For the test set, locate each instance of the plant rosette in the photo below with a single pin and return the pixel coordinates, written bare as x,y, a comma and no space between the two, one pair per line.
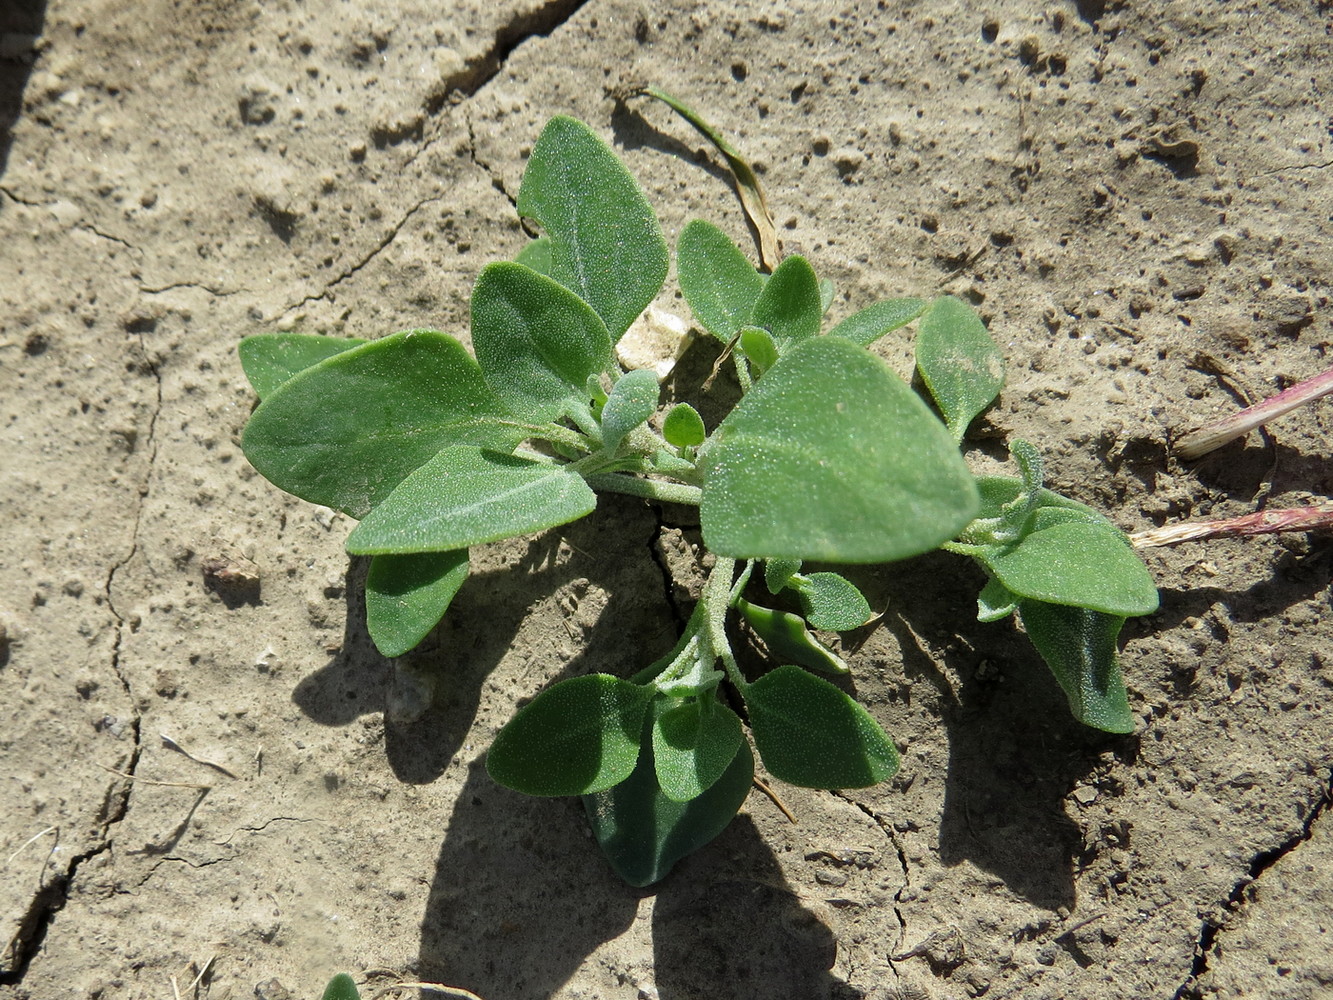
828,456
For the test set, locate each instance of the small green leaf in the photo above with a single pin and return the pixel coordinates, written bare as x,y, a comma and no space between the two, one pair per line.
406,596
346,431
605,242
693,745
810,733
778,573
270,359
536,341
683,427
537,255
1080,648
832,602
576,737
719,283
1077,563
958,361
832,457
643,833
875,321
632,401
341,987
996,601
788,639
758,345
467,496
789,306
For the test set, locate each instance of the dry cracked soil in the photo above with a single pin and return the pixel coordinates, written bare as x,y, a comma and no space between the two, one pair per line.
1135,196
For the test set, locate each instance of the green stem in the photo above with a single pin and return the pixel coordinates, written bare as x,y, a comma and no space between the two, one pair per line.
650,489
552,432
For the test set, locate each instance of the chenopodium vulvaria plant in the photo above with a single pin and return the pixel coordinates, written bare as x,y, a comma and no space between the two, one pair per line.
828,457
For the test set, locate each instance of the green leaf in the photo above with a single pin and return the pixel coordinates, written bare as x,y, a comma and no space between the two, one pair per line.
788,639
683,426
632,401
1080,648
537,255
789,306
758,345
466,496
270,359
1083,564
832,602
719,283
341,987
875,321
576,737
406,596
958,361
693,745
778,573
810,733
346,431
832,457
643,833
826,292
995,601
606,244
536,341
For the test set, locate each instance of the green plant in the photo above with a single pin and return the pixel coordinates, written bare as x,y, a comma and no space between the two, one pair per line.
829,456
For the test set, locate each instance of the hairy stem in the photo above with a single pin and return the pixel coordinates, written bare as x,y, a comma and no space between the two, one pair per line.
650,489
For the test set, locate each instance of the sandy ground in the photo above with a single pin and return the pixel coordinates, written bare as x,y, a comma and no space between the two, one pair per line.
1135,196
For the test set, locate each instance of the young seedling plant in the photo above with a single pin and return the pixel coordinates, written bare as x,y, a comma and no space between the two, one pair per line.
829,457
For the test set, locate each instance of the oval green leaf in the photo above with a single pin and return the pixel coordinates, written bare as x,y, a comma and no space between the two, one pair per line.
810,733
643,833
758,345
1087,565
467,496
1080,648
605,242
958,361
632,401
832,602
270,359
789,307
693,745
406,596
536,341
832,457
341,987
683,427
719,283
346,431
577,737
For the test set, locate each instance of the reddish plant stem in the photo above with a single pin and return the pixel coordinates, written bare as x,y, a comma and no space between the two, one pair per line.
1264,522
1198,443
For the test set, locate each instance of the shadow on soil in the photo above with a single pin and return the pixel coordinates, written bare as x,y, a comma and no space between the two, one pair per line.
513,913
20,24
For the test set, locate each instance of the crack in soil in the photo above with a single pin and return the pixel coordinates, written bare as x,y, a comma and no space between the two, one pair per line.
1235,903
51,897
355,268
481,69
656,554
888,831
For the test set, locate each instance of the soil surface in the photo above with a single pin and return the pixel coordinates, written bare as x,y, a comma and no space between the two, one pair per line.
1136,197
